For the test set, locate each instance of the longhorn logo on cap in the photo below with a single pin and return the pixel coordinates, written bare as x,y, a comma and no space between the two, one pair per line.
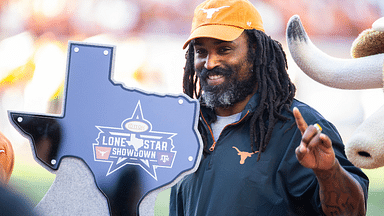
211,11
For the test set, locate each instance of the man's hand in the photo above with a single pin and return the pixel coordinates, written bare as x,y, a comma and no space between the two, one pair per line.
340,193
315,150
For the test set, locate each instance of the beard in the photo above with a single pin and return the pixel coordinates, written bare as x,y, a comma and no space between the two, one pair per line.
228,93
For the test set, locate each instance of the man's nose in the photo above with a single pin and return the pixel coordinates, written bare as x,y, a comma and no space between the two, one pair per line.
211,61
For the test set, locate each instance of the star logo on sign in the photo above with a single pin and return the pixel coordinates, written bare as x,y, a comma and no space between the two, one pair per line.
134,143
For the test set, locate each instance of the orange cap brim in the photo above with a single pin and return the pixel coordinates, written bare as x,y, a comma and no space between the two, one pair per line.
220,32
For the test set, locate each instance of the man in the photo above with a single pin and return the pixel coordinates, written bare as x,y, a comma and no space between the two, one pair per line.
260,155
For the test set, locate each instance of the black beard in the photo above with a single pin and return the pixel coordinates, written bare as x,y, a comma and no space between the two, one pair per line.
228,93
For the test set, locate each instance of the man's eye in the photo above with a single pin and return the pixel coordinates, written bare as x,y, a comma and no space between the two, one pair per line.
200,51
224,49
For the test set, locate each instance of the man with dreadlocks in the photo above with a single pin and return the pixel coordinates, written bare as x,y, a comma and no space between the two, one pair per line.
260,155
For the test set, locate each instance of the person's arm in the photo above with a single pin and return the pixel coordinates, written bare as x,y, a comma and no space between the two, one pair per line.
340,193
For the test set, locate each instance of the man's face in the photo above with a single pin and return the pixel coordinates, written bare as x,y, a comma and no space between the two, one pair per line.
225,70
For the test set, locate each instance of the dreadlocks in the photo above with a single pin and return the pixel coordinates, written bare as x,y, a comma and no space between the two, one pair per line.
274,86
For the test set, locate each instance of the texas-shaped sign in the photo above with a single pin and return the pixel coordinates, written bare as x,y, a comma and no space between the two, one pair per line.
127,137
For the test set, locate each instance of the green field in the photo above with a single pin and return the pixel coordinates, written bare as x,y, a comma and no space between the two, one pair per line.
34,181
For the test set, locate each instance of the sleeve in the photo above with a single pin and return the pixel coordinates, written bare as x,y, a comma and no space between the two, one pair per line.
357,173
330,130
303,183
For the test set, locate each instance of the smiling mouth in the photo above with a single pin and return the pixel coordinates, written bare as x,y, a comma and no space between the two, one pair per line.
215,79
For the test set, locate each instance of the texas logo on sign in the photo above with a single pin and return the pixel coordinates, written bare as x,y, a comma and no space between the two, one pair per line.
131,140
134,143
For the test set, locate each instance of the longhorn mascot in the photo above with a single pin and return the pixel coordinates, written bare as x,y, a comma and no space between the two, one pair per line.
365,148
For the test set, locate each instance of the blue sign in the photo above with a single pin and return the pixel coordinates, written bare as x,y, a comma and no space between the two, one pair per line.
133,142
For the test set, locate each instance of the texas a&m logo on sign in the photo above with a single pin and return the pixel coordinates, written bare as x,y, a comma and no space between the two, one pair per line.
134,143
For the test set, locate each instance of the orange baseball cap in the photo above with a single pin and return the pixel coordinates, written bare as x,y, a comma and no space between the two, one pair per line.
224,19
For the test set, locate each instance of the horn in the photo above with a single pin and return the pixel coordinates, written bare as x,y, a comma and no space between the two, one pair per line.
359,73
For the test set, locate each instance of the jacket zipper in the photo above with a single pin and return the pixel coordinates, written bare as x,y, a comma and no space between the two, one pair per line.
210,130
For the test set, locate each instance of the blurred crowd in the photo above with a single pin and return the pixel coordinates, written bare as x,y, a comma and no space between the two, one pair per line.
74,19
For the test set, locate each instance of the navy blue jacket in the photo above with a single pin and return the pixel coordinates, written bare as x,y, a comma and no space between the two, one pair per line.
275,185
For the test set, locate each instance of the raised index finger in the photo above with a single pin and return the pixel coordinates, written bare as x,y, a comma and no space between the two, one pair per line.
301,123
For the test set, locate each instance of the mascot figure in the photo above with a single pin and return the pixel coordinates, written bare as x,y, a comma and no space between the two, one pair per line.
365,148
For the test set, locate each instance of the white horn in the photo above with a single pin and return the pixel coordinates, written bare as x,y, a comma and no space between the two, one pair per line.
359,73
